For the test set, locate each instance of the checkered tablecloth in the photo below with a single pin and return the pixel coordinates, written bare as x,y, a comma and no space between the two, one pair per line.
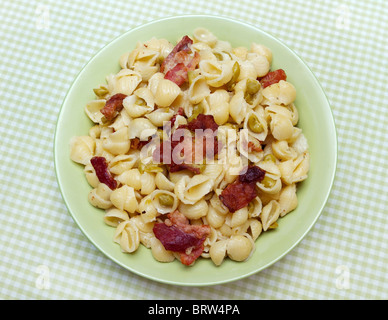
43,46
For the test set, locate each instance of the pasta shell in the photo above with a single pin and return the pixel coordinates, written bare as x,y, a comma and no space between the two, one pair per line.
117,142
127,235
164,201
281,93
166,92
205,36
283,151
123,162
288,200
135,108
147,209
270,214
160,116
239,248
218,251
260,63
92,110
191,190
163,183
124,198
238,107
159,252
141,128
113,217
100,196
262,50
198,90
126,81
82,149
194,211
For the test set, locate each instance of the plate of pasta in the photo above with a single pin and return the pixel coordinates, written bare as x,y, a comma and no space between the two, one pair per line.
195,150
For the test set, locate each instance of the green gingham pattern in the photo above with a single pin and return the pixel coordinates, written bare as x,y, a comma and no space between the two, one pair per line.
44,44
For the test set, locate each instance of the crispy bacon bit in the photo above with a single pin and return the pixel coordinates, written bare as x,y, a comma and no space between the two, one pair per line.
203,122
178,74
180,61
238,194
188,257
174,239
253,147
273,77
183,45
137,144
199,231
178,235
103,174
188,149
113,106
253,174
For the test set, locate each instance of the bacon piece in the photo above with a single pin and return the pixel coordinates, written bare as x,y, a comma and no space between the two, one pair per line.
183,45
113,106
252,174
168,153
180,61
200,231
103,174
189,150
193,62
206,138
178,235
138,144
273,77
253,147
178,74
238,194
174,239
187,258
183,153
203,122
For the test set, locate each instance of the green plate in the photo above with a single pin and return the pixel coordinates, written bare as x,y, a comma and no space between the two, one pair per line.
316,120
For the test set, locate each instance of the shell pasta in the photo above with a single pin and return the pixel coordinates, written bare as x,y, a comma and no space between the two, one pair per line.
195,149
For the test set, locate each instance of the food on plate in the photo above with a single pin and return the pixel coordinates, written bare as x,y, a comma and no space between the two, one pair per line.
194,150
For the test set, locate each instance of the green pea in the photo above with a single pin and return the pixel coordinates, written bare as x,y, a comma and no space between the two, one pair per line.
253,86
218,56
166,200
149,168
268,182
140,102
249,98
255,125
141,167
270,157
101,91
197,109
235,75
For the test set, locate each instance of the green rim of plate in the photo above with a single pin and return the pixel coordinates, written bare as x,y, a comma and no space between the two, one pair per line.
316,121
